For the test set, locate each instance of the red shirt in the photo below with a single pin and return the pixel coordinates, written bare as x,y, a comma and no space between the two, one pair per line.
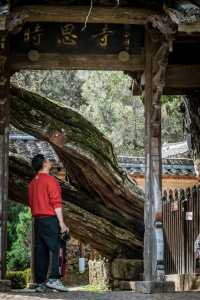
44,195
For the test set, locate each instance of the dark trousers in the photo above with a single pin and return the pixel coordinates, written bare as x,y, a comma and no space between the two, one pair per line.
47,245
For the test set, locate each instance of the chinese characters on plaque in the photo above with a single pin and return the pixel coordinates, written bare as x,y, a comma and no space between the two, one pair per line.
33,36
102,37
71,38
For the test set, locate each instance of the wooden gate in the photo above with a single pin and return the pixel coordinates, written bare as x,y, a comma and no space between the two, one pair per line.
181,221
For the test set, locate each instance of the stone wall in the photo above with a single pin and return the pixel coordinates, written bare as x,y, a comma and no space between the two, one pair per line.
75,250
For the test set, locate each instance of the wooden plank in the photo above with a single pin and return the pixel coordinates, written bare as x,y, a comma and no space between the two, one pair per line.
78,14
77,62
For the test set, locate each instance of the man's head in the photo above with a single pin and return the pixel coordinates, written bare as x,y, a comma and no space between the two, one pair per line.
40,163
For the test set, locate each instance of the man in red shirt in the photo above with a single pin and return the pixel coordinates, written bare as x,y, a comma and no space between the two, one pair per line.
45,201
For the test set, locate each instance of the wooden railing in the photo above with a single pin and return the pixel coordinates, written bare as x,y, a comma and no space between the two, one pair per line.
181,220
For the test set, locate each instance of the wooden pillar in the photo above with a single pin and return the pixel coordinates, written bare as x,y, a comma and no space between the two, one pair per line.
155,65
4,129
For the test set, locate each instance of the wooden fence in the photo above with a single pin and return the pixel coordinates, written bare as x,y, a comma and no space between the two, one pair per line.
181,219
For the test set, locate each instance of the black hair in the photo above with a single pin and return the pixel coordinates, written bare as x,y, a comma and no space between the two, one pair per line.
37,162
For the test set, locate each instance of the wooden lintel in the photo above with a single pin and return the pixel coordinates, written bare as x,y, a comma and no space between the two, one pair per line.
77,62
179,78
78,14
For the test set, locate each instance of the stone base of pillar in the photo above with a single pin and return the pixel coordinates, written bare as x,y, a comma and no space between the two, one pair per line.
5,285
150,287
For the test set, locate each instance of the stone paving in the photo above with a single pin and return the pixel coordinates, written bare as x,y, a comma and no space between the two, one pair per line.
78,295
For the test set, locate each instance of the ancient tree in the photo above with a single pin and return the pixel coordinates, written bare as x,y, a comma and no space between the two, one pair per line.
103,205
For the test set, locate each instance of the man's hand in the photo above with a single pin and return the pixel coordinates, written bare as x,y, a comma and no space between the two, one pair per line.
59,214
63,227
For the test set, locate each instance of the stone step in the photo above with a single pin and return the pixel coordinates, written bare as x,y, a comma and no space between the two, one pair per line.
126,285
146,287
127,269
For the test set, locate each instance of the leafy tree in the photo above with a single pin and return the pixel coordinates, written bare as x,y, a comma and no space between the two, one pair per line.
18,257
172,119
61,86
14,209
109,104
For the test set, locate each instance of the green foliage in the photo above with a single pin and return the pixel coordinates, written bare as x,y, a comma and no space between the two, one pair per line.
172,120
18,257
19,279
58,85
27,275
109,104
14,209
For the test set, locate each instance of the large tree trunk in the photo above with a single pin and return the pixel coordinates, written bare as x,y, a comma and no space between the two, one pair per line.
101,234
102,205
88,156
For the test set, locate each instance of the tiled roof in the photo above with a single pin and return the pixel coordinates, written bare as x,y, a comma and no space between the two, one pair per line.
172,166
173,150
29,146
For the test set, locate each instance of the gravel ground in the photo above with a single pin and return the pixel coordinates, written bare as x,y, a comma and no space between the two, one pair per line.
78,295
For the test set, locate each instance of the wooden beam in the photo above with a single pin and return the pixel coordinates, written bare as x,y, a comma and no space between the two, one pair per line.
179,92
78,14
183,76
189,28
180,79
76,62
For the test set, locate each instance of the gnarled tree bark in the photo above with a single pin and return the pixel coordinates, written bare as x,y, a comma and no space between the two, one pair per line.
88,157
109,239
